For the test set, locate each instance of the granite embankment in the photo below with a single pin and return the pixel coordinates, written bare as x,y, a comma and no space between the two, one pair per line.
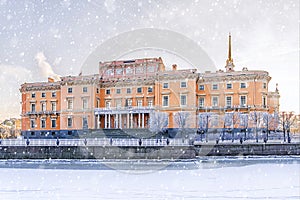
147,152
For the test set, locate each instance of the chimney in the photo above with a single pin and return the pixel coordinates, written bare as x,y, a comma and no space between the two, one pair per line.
174,67
50,80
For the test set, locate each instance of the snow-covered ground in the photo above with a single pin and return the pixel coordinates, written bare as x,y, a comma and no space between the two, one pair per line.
221,178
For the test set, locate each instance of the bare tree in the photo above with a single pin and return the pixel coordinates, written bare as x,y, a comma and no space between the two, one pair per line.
158,122
181,119
203,124
231,120
244,120
288,119
270,122
256,118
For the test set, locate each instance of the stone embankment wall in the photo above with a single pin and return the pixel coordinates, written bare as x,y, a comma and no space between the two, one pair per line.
142,152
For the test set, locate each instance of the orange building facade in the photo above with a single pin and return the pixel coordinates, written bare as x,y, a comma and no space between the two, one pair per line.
125,93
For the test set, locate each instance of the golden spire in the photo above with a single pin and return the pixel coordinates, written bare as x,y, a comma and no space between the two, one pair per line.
229,62
229,48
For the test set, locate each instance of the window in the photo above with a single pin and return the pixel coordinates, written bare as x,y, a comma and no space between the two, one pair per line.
228,102
165,101
243,85
128,103
43,105
43,123
97,90
119,71
215,101
264,101
32,123
84,122
139,90
118,103
33,95
53,94
70,104
53,106
183,100
264,85
139,70
201,87
151,69
84,103
33,107
128,90
140,103
150,103
129,70
165,85
150,89
229,86
215,86
70,122
107,104
43,95
98,103
201,102
84,89
53,123
118,91
183,84
243,101
70,90
107,91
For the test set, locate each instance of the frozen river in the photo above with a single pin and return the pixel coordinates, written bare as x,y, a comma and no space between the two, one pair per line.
206,178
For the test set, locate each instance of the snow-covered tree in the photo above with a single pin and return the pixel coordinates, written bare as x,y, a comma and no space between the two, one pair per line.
205,121
231,120
256,119
287,120
158,121
181,119
244,120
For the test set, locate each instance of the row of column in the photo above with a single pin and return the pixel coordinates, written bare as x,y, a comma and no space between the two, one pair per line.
118,120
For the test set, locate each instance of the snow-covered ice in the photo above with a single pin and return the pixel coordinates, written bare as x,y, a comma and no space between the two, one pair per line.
225,178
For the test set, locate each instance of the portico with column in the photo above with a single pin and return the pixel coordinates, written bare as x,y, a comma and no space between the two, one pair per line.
122,118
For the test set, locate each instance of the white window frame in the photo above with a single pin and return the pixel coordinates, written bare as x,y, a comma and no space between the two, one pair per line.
71,120
229,84
55,123
70,103
32,123
85,103
43,125
226,102
118,91
212,86
203,103
43,106
53,106
212,101
165,85
181,100
139,103
181,82
241,85
33,105
163,100
201,86
241,100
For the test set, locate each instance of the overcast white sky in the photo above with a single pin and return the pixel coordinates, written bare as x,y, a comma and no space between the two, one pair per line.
265,35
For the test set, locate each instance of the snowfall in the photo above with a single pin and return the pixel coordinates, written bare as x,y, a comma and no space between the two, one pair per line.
203,178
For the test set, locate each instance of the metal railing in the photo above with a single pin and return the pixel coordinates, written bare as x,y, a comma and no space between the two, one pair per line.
95,142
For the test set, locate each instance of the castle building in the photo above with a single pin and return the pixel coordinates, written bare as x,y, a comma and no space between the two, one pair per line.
125,93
